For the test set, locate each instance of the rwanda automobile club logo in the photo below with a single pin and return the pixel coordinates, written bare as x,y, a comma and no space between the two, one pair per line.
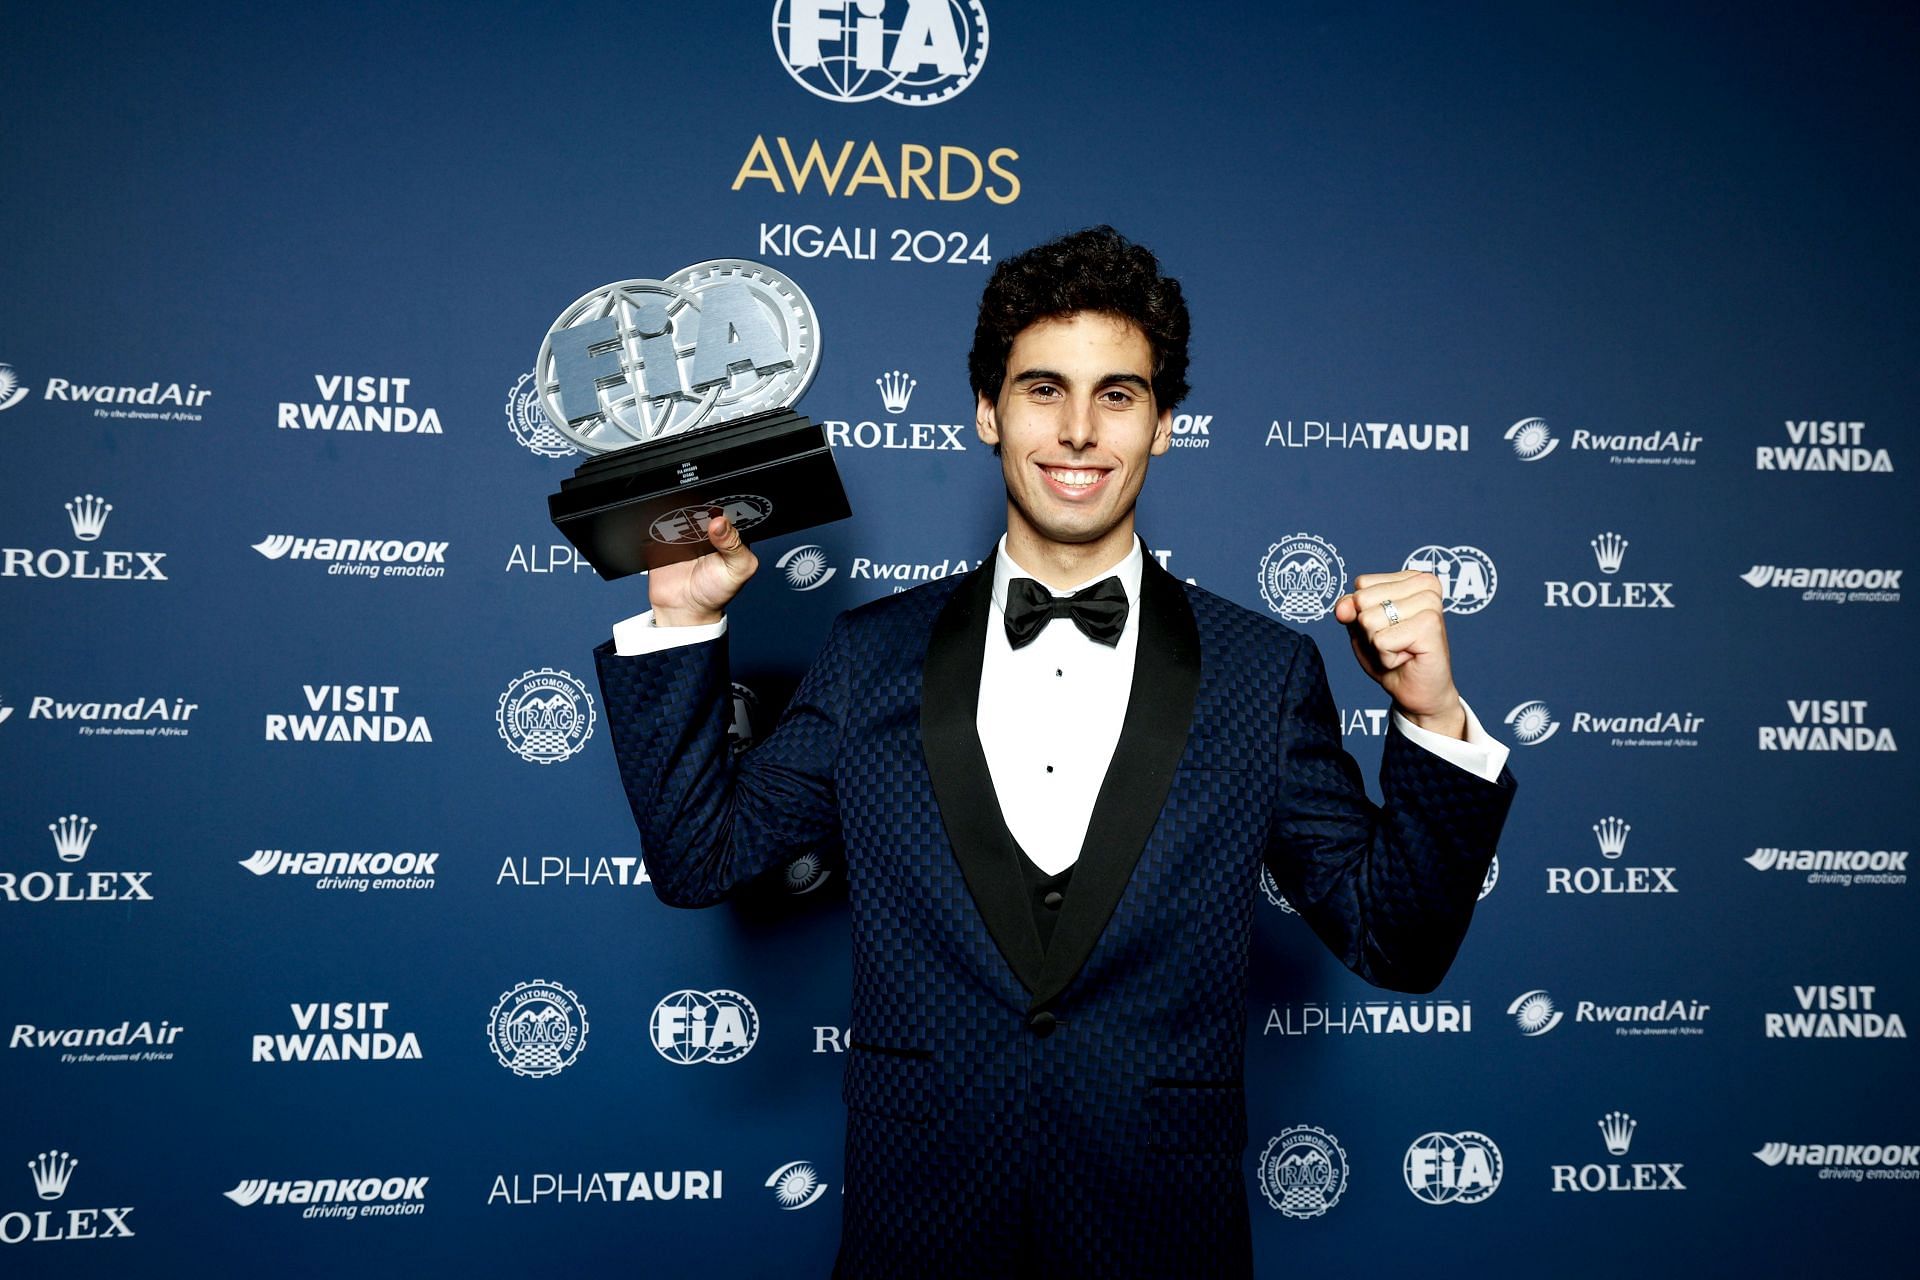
537,1029
545,716
1301,577
1303,1172
530,424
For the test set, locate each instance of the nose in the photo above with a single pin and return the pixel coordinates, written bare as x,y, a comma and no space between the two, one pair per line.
1078,428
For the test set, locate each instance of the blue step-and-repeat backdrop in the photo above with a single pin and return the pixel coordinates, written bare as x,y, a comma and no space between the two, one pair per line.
1605,313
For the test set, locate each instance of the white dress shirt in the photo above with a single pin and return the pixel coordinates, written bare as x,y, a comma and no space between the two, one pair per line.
1050,713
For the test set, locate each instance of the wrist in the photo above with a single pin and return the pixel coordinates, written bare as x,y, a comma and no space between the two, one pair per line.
1448,720
665,617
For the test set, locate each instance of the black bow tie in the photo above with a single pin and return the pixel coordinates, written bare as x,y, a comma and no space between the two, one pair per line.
1100,611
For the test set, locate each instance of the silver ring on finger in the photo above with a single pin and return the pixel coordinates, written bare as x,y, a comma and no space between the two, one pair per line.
1393,614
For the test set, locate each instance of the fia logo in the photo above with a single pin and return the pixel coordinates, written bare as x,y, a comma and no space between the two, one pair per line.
715,1027
1452,1168
1467,577
915,53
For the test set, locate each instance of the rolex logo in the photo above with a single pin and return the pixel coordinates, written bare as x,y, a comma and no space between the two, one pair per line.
1612,834
1617,1128
50,1170
1608,548
71,836
896,388
88,515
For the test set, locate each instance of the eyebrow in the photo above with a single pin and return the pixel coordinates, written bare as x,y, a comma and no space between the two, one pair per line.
1030,376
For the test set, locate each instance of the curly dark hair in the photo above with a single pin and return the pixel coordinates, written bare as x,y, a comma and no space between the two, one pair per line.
1097,269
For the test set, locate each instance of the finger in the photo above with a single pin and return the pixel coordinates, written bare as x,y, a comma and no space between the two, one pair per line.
1374,616
1363,650
1416,589
1414,634
1377,579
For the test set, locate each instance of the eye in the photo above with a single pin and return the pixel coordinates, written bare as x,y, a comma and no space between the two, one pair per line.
1044,391
1118,397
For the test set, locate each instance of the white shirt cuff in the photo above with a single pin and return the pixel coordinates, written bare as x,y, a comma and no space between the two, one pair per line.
1479,755
638,635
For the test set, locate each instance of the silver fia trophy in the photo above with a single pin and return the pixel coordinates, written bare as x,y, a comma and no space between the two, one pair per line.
682,389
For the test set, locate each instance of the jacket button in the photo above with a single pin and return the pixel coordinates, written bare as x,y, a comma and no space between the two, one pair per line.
1043,1023
1053,899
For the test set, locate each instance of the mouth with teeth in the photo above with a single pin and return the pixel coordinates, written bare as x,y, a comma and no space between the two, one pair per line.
1073,482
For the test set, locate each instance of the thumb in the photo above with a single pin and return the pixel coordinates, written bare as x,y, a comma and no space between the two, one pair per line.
734,555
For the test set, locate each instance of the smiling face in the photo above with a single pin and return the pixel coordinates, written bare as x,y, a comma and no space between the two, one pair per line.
1076,423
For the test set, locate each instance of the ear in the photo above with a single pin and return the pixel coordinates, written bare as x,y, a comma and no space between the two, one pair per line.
984,420
1162,433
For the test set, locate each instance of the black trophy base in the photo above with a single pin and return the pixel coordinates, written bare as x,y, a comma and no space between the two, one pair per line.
649,504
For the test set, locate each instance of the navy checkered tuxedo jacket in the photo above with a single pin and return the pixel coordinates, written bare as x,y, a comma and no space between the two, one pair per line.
1072,1110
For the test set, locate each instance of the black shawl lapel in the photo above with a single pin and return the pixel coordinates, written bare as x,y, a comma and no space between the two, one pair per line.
950,740
1166,678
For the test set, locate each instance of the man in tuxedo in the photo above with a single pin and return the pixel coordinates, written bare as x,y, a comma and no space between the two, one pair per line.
1054,782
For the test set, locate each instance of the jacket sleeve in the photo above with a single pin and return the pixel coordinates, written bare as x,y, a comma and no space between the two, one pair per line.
1389,888
710,821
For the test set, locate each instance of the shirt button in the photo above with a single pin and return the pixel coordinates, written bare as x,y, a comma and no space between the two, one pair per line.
1057,671
1042,1023
1053,899
1049,768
